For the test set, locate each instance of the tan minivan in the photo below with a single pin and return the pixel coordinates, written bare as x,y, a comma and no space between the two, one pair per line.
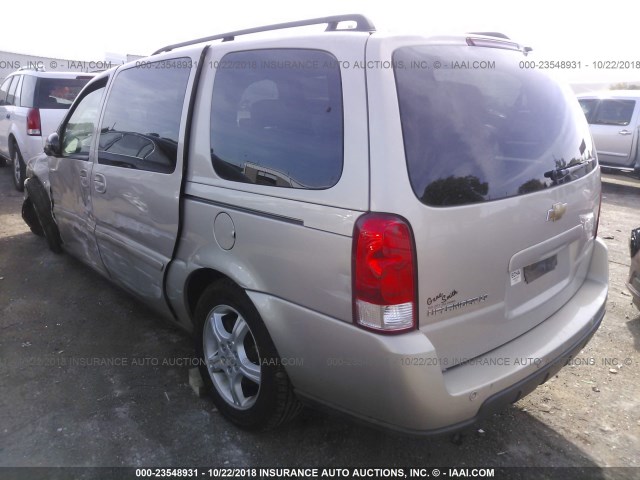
398,227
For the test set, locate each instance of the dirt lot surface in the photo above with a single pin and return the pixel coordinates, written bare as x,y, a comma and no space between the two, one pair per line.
54,412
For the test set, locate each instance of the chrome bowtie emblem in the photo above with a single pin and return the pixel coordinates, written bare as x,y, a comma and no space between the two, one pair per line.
556,212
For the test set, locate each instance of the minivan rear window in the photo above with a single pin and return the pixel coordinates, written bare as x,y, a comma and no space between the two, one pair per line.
58,93
479,126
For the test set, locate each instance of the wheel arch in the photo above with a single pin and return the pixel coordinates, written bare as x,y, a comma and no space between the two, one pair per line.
195,285
42,207
275,402
13,142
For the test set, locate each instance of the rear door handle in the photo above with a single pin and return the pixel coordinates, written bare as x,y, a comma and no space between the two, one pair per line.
99,183
84,178
624,132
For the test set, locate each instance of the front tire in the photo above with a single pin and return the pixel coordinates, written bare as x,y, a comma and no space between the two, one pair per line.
238,361
31,218
42,208
19,168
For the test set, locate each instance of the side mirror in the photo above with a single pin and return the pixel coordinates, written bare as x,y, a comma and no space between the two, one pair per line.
52,145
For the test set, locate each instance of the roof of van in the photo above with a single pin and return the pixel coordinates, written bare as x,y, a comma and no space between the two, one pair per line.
355,24
611,94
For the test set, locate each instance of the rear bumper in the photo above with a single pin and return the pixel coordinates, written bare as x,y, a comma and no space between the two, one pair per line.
398,382
515,392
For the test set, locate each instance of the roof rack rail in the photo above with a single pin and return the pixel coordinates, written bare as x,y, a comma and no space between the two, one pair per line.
491,34
498,40
363,24
32,68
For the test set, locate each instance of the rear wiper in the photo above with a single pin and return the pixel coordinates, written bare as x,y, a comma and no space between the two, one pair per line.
562,172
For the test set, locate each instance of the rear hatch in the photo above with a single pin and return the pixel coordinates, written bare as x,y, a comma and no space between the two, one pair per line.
502,191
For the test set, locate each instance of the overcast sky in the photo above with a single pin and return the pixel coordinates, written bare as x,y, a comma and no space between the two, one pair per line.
556,29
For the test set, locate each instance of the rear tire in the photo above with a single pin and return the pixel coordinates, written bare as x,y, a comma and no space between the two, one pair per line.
19,168
42,208
239,363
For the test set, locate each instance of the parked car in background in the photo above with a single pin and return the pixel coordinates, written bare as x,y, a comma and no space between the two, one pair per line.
614,121
32,104
634,272
338,222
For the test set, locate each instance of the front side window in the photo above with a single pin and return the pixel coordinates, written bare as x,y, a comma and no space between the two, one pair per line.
11,98
7,94
4,90
588,106
78,132
141,123
614,112
276,119
477,127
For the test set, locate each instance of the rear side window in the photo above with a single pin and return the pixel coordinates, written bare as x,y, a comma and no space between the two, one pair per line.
477,127
18,93
276,118
58,93
141,124
613,112
28,91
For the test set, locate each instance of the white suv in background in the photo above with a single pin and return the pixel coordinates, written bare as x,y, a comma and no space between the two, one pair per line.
32,104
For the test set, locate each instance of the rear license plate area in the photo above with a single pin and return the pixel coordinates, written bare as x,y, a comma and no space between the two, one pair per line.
536,270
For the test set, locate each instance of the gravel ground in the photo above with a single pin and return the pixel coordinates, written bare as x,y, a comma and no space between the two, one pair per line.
54,412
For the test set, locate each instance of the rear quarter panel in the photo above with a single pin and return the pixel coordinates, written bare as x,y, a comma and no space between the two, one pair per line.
290,243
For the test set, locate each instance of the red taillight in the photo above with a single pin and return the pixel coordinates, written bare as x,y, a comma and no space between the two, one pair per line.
33,122
384,271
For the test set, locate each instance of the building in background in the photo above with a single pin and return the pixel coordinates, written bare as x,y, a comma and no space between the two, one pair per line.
10,62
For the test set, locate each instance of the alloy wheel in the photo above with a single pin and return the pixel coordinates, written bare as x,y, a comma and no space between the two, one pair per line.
232,358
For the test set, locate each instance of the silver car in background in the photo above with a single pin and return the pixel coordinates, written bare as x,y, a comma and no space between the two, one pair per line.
614,121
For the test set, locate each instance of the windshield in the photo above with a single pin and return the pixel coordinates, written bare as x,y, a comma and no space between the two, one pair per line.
479,126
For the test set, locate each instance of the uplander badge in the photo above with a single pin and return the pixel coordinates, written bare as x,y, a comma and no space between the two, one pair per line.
456,305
